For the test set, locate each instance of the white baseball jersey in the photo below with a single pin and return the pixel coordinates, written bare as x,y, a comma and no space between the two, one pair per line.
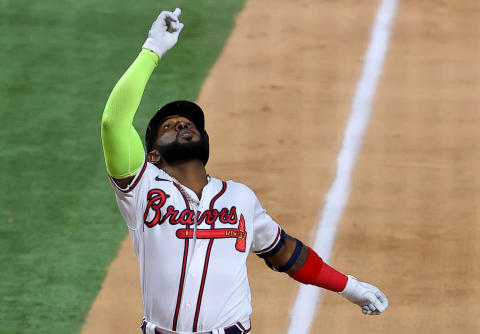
192,253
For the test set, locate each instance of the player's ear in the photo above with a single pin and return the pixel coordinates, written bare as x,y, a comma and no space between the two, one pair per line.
154,156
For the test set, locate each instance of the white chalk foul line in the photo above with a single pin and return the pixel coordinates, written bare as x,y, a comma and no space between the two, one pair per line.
308,296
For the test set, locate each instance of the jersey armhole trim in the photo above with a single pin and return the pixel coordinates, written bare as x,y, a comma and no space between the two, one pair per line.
275,242
135,182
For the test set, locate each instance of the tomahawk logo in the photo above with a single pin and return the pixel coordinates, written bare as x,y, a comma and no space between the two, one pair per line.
220,233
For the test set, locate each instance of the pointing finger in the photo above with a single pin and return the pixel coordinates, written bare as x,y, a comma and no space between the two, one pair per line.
177,12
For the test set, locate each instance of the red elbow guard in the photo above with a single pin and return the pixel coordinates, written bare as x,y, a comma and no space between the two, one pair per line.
318,273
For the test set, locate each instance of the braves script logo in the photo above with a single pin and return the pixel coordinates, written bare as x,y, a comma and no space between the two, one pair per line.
156,200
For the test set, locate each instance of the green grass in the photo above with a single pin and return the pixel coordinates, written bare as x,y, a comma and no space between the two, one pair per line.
59,224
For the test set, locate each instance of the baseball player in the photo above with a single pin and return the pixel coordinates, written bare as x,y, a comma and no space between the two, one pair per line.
192,233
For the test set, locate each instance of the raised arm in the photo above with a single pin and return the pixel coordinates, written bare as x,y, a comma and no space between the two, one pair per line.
122,146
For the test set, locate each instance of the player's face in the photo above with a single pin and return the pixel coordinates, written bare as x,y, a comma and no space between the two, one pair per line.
179,129
178,140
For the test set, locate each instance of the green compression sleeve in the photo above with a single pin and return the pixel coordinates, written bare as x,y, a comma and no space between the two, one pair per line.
122,146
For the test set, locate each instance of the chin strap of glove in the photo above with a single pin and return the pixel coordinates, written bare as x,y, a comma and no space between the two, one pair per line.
368,297
160,39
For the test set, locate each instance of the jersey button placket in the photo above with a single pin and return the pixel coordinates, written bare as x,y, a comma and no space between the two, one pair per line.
197,215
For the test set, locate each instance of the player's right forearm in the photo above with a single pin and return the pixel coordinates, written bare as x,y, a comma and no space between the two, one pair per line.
123,148
127,93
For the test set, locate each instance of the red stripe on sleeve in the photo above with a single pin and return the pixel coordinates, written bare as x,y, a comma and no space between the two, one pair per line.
317,272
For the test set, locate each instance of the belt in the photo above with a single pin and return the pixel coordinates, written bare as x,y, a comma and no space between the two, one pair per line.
234,329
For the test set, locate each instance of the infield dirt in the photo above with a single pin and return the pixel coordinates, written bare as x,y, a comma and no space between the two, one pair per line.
277,102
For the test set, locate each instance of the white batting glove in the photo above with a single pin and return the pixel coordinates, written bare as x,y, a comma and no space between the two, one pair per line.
368,297
160,40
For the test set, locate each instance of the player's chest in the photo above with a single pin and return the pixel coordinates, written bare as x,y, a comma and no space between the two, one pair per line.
221,213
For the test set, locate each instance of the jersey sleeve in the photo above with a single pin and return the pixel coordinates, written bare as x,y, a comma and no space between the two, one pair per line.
131,200
266,231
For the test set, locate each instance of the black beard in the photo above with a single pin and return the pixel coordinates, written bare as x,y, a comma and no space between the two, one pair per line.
176,153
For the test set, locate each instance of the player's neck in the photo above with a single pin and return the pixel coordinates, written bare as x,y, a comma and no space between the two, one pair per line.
191,174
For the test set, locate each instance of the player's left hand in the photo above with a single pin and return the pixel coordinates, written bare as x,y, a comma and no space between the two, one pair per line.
160,39
368,297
